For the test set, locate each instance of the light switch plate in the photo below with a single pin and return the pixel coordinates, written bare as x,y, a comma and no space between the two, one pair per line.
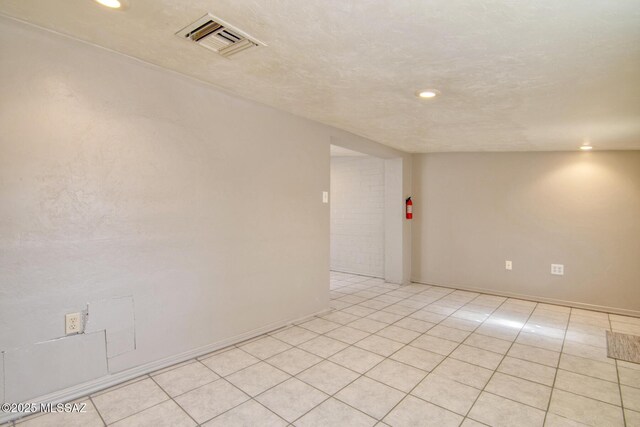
508,265
325,197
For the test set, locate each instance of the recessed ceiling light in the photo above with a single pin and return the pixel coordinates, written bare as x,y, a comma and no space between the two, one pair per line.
428,93
586,148
113,4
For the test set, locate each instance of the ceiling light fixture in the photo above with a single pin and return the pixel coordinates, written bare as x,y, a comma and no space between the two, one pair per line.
427,94
586,148
113,4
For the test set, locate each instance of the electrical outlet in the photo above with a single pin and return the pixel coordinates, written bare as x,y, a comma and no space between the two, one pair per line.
73,323
325,197
557,269
508,265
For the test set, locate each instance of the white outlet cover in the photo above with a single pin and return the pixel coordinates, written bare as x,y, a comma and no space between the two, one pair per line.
325,197
557,269
73,323
508,265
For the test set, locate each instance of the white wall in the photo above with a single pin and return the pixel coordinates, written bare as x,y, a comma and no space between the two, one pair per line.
119,179
358,215
473,211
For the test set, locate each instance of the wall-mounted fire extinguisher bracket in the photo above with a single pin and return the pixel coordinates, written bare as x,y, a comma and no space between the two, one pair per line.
408,207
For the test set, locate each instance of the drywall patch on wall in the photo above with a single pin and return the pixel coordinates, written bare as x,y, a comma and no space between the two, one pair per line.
116,316
357,215
48,366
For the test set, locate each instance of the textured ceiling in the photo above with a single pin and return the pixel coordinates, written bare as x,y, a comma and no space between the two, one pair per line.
514,75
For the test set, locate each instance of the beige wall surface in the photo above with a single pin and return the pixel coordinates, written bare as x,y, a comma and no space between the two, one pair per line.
474,211
188,217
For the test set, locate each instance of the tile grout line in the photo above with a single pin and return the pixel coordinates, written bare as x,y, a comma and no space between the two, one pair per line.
555,376
104,423
622,406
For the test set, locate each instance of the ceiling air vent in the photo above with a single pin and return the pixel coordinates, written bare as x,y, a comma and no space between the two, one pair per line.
216,35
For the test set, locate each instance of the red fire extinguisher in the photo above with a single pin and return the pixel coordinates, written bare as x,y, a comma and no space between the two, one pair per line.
409,208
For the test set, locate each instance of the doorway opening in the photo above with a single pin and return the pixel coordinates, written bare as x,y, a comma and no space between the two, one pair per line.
357,218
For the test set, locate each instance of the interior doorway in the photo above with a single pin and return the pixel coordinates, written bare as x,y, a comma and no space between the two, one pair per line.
357,218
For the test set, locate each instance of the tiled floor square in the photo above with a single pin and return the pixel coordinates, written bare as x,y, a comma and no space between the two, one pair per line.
122,402
211,400
397,375
340,317
535,354
166,414
323,346
534,340
587,351
265,347
347,334
367,325
396,333
417,358
447,393
250,413
293,361
185,378
332,412
463,372
359,310
631,397
593,368
295,335
414,412
414,324
384,317
328,376
371,397
528,370
257,378
485,342
379,345
630,377
583,385
435,344
230,361
451,334
477,356
500,412
584,410
520,390
356,359
291,399
428,316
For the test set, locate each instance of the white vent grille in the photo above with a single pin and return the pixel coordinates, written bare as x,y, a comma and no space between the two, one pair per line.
216,35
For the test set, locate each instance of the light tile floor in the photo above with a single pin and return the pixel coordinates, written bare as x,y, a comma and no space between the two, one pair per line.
394,355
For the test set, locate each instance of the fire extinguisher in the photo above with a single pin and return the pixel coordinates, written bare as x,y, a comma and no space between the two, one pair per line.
409,208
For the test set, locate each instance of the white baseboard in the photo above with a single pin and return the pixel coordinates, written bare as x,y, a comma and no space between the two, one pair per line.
93,386
594,307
